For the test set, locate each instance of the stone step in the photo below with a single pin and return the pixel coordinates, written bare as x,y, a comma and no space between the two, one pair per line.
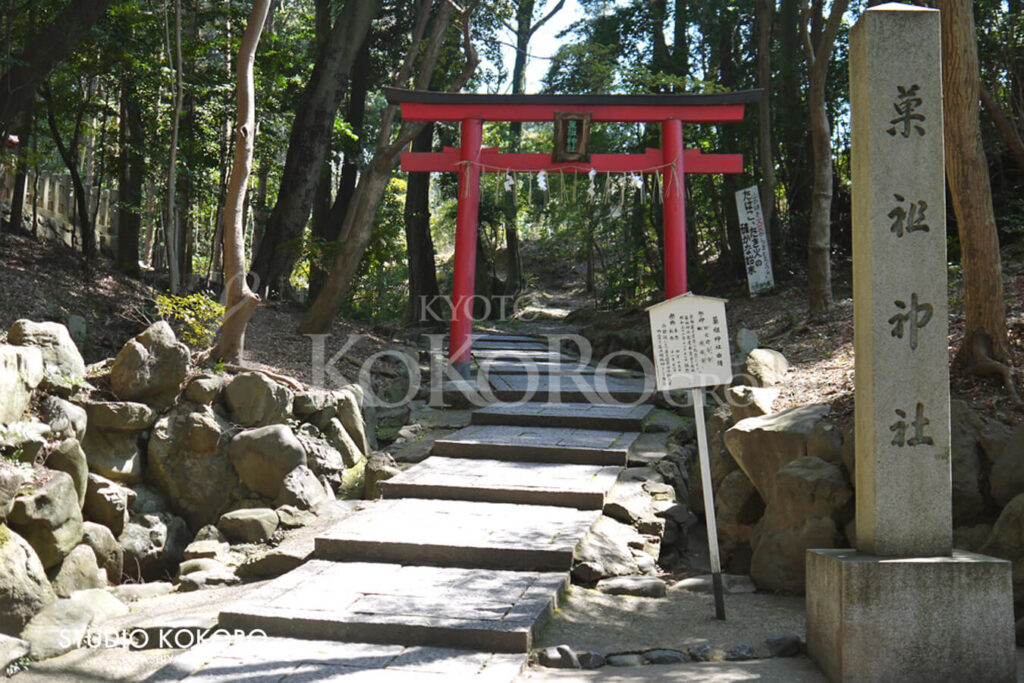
538,444
599,389
290,660
496,481
523,355
455,533
514,367
492,611
510,344
573,415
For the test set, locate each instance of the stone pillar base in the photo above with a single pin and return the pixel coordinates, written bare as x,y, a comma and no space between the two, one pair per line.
873,618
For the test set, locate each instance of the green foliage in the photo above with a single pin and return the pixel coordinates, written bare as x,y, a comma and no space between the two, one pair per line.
195,317
381,290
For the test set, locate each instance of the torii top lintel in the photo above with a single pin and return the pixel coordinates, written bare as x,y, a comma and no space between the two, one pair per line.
419,105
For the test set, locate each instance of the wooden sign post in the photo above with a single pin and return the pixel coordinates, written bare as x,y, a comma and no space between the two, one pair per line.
691,351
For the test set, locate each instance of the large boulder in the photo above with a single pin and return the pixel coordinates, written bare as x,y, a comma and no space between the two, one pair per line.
119,416
78,571
301,488
154,545
117,455
24,589
69,457
47,515
965,462
351,417
338,437
109,555
764,445
1007,541
746,401
107,503
323,459
254,525
264,456
1007,478
205,389
255,400
722,463
60,355
813,502
66,420
188,460
151,367
765,367
738,507
21,371
12,476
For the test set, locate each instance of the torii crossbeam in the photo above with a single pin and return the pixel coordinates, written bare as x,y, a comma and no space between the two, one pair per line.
469,160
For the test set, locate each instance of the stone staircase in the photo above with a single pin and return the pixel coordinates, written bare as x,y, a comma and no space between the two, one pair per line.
465,558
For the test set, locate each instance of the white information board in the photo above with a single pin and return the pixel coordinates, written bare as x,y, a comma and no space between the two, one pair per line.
691,343
755,241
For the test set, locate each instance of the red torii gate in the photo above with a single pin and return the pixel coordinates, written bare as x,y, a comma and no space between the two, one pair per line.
672,161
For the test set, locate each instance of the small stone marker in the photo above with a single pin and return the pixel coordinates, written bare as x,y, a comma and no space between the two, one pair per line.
691,351
904,605
755,241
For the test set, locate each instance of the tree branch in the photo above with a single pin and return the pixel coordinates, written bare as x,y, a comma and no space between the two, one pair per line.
553,12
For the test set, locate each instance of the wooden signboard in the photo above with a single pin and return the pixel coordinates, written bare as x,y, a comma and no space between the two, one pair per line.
691,351
572,137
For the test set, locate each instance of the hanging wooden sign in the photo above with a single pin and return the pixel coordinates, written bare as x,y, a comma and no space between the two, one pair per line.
572,137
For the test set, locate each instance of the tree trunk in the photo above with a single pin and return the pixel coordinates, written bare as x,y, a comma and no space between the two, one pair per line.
967,173
131,174
21,171
69,153
819,37
423,54
19,82
765,10
241,302
172,224
525,28
310,136
819,240
423,288
329,228
1005,127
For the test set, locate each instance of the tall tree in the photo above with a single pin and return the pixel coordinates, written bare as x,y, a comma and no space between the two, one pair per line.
310,137
241,302
524,30
173,242
765,12
421,59
819,35
985,347
19,82
423,289
70,153
131,173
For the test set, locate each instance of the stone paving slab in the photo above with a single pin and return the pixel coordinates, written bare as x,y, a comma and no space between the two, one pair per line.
578,388
497,481
511,344
488,610
578,415
522,367
520,355
226,658
538,444
455,533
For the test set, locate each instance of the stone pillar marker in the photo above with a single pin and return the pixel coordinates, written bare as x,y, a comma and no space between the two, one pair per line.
904,605
901,321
